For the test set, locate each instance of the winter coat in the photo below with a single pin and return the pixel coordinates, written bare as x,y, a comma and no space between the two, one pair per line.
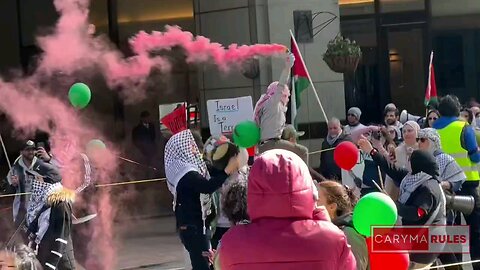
286,230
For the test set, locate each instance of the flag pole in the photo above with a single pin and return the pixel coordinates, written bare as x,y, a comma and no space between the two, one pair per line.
429,84
310,79
293,104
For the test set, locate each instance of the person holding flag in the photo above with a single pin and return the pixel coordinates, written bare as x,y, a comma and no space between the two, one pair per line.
270,114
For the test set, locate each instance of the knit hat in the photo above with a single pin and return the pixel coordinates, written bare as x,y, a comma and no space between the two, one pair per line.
390,107
355,111
432,135
422,161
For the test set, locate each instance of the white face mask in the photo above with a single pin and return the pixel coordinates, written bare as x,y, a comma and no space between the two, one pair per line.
476,123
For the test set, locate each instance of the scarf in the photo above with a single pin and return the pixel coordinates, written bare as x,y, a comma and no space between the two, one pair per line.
331,140
448,168
410,183
182,156
40,192
271,90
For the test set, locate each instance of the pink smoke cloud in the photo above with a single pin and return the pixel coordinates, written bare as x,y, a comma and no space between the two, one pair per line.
200,49
31,108
32,105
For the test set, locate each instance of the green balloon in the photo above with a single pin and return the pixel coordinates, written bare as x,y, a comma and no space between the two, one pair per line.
373,209
246,134
95,146
79,95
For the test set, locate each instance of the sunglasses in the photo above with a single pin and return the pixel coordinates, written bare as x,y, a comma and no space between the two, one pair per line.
351,115
421,140
433,118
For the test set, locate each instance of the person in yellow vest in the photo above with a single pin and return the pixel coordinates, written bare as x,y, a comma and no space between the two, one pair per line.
458,140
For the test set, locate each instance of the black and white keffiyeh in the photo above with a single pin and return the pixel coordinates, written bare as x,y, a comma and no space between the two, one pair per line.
182,156
410,183
38,198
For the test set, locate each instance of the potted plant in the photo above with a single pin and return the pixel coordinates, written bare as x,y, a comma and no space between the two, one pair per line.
342,55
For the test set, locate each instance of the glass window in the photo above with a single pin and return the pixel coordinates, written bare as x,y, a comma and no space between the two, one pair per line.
362,31
388,6
457,7
148,15
98,15
449,62
356,7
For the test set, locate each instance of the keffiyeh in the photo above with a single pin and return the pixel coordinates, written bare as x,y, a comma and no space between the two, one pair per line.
410,183
40,192
182,156
272,88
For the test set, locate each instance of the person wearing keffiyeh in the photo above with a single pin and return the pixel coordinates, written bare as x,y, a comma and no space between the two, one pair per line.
191,185
421,201
50,230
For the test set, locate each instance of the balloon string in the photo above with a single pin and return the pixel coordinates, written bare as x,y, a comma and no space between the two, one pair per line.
452,264
99,185
132,182
321,151
137,163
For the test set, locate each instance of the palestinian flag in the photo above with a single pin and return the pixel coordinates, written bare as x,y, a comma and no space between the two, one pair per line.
299,72
300,80
431,92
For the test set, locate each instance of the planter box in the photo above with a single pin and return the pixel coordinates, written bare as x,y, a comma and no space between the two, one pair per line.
342,64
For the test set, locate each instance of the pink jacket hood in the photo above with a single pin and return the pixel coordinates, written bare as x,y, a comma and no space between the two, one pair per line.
280,186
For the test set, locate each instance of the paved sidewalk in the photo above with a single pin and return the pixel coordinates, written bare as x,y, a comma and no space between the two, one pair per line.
150,244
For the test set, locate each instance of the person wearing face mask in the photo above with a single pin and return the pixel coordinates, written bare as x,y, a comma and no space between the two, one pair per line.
476,115
328,167
191,184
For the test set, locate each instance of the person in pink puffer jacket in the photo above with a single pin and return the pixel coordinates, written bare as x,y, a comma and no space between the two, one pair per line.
287,231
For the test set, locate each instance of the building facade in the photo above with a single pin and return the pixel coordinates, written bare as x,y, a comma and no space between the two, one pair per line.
223,21
397,37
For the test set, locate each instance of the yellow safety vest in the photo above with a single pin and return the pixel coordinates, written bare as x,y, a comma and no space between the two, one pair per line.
451,139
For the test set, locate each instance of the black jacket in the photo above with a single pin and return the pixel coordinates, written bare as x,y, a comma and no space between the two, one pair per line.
328,167
144,138
188,210
55,250
427,196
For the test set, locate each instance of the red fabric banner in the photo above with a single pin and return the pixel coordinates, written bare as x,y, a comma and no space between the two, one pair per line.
176,121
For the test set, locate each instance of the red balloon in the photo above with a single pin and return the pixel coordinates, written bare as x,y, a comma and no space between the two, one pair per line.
346,155
390,261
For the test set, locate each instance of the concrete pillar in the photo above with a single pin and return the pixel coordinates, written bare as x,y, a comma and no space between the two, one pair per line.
269,21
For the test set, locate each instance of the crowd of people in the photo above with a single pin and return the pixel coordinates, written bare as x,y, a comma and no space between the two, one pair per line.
275,211
279,203
44,210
